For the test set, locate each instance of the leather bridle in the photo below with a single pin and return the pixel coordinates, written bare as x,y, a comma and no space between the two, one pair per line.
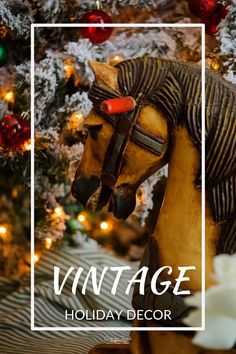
126,129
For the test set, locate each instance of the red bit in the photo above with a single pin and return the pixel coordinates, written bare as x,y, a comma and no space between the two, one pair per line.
118,105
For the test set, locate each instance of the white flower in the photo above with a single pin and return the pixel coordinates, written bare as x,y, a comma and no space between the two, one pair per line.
220,330
225,269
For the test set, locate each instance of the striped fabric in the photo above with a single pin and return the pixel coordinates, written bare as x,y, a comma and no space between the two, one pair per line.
15,334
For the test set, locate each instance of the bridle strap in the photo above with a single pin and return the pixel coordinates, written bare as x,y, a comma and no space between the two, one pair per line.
126,129
141,136
117,147
147,140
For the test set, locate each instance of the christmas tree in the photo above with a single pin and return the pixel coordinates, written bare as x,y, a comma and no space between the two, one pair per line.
62,78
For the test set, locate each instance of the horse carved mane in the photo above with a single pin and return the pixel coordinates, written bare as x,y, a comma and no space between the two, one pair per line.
175,89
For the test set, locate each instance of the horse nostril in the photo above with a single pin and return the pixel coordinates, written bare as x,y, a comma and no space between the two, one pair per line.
124,201
73,189
82,188
104,196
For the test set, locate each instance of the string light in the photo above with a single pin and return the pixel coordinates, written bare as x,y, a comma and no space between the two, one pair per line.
215,66
75,120
14,193
78,116
213,63
8,96
81,217
68,68
58,211
105,226
115,59
48,243
140,199
97,4
27,145
36,257
71,72
3,230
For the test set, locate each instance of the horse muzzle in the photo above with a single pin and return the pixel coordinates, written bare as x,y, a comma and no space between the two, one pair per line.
123,201
91,193
94,195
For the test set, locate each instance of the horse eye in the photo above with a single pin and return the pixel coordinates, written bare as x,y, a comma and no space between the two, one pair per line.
93,130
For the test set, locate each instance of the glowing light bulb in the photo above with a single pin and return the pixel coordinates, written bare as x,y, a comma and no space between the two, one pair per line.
14,193
104,225
9,96
79,116
58,211
27,145
69,70
115,59
215,66
36,257
48,243
81,217
3,230
75,120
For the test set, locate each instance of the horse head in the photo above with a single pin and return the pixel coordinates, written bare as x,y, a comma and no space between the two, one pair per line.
122,149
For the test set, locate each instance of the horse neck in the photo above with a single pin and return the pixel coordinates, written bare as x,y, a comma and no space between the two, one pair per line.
178,230
178,94
182,72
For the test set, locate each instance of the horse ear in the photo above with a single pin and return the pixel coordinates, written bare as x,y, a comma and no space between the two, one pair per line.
105,74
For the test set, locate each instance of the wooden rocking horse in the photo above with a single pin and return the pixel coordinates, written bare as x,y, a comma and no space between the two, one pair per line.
147,113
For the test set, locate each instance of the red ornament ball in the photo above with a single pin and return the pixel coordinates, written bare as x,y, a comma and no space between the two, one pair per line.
202,8
96,34
211,25
14,131
213,21
222,11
